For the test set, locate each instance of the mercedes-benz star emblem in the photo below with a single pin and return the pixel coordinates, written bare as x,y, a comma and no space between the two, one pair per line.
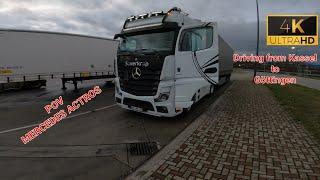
136,73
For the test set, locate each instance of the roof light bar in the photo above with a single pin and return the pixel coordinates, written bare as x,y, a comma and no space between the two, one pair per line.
146,15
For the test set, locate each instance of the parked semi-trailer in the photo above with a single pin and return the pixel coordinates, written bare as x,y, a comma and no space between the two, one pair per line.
166,62
29,58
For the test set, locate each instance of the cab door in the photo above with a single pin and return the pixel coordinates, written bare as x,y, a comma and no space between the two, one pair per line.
196,60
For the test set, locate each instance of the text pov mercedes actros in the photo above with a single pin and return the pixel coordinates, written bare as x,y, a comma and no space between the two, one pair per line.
166,62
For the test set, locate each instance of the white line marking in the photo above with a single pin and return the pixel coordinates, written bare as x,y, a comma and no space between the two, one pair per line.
19,128
68,117
106,107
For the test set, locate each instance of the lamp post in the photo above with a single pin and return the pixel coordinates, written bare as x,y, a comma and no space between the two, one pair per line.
257,49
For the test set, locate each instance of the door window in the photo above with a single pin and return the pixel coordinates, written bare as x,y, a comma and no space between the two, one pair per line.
196,39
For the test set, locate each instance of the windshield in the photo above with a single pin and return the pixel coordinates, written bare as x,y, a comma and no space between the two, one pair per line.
163,41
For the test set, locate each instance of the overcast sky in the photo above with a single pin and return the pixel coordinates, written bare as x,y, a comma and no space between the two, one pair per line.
236,18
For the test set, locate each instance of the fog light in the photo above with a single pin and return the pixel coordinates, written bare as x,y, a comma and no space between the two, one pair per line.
162,109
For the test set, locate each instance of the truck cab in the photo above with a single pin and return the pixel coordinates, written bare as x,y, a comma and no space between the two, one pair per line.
166,62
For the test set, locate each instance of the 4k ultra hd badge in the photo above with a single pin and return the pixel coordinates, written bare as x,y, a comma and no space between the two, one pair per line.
288,30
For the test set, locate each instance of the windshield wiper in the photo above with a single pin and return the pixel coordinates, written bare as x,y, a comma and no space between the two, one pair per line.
125,52
145,50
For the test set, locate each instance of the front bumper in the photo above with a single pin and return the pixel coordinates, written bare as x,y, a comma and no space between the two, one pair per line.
146,105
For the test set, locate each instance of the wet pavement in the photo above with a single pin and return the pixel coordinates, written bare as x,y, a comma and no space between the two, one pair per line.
92,144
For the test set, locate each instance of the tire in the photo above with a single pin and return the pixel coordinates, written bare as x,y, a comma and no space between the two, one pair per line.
228,78
185,110
36,85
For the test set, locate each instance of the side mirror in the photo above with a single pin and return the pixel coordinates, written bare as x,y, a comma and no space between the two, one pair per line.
116,36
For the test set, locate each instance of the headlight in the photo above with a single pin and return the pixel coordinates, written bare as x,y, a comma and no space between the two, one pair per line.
164,95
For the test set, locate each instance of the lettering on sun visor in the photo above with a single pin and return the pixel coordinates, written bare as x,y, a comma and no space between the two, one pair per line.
137,63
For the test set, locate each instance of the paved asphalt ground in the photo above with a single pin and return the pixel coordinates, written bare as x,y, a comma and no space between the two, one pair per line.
92,145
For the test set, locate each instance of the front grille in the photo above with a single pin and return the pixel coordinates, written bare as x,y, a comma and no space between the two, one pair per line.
147,83
144,105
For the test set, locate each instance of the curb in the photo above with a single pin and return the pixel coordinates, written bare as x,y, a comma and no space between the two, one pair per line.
151,165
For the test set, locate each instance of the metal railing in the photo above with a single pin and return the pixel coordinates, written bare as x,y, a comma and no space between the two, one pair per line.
57,75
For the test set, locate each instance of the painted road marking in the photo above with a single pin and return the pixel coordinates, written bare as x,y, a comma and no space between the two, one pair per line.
68,117
19,128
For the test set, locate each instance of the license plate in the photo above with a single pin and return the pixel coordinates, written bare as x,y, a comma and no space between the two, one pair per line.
136,108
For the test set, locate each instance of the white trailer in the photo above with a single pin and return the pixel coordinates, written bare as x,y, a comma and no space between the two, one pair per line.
166,62
29,56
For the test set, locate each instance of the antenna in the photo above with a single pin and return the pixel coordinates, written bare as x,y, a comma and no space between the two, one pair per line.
178,10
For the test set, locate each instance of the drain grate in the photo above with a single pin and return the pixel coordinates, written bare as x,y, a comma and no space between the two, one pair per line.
143,148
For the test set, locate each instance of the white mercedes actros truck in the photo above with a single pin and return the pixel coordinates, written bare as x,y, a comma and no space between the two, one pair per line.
167,61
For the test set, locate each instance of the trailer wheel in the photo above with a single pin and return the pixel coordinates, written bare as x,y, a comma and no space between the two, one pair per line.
36,85
228,78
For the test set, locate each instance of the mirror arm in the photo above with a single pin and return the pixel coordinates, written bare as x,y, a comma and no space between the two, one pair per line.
194,53
116,36
207,24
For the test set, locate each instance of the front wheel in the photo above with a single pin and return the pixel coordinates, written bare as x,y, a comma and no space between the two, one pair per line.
185,110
